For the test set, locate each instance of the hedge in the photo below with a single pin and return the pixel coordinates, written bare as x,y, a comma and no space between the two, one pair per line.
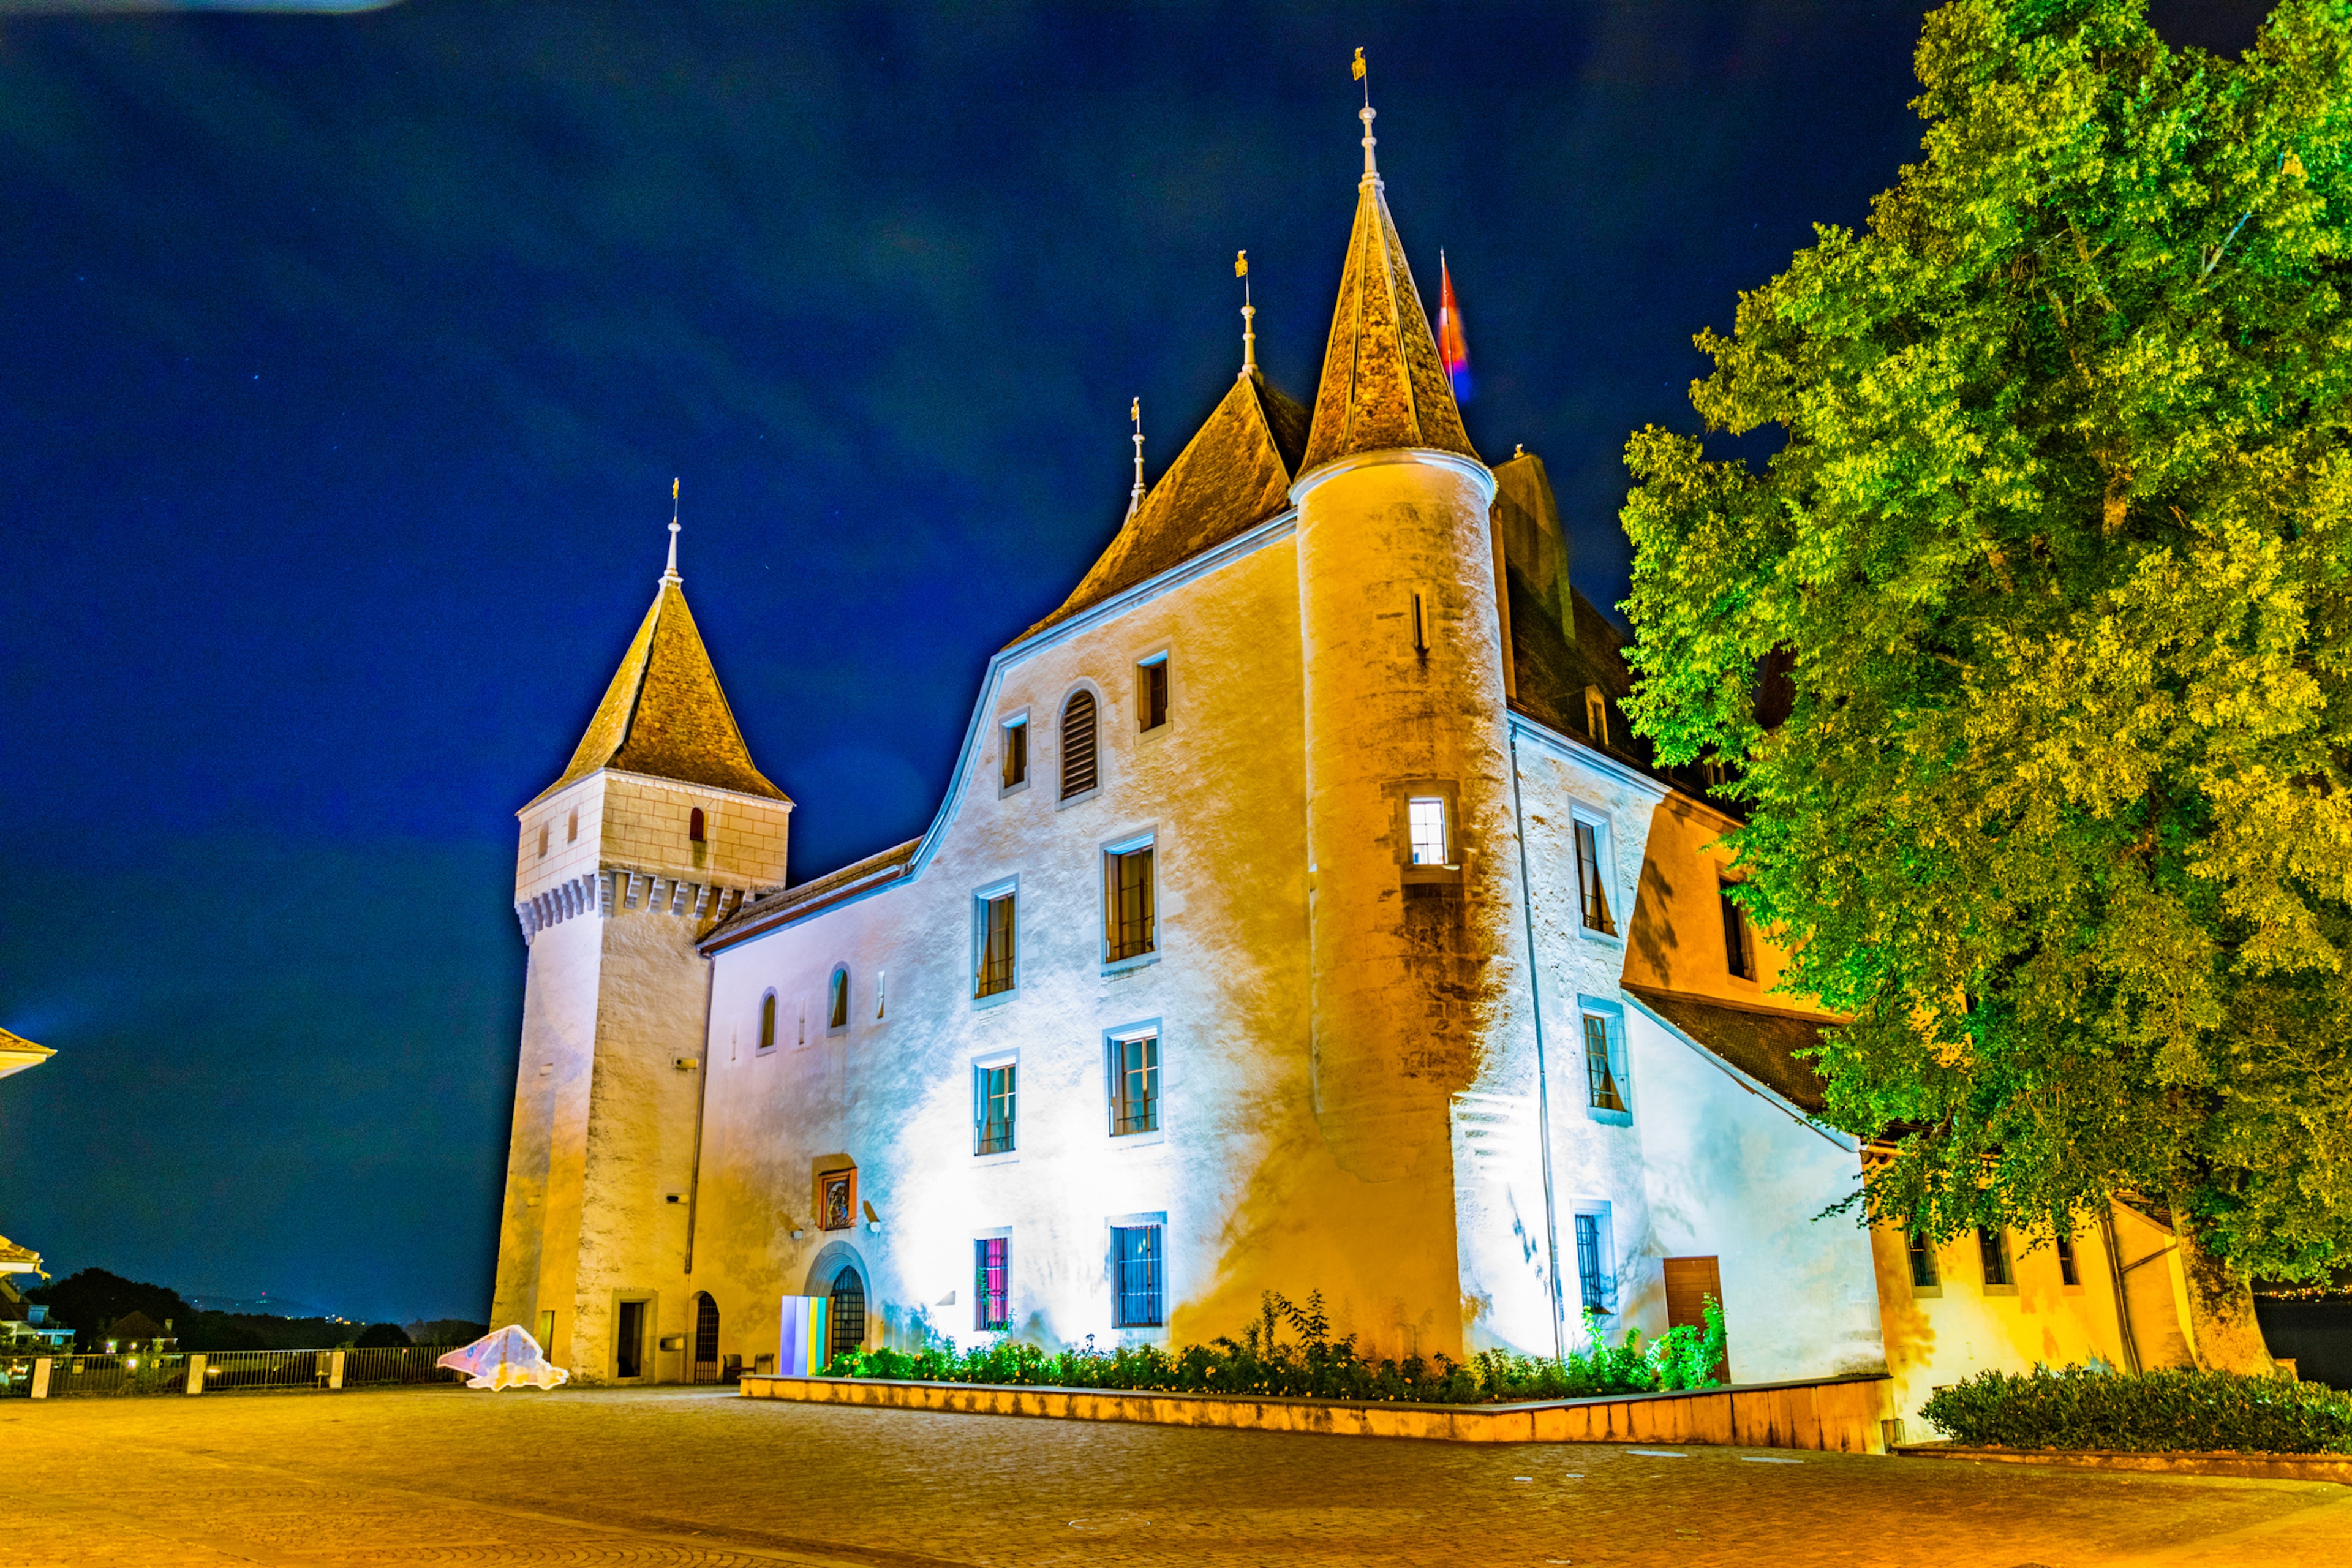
1315,1366
2167,1409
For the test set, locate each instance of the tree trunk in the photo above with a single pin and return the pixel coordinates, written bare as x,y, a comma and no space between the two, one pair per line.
2222,1333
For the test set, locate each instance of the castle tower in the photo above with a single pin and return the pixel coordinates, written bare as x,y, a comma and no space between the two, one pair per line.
660,825
1404,697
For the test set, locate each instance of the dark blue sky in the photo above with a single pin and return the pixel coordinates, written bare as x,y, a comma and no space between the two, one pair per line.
348,361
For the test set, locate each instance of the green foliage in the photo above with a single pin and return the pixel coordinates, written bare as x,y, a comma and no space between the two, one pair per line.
2171,1409
2057,553
382,1336
1312,1365
90,1298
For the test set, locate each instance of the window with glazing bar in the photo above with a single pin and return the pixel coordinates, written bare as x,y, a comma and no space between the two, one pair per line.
1592,878
1923,1261
1127,899
996,945
1591,1266
992,1131
1737,956
1136,1276
1600,1069
1135,1084
1425,817
992,1283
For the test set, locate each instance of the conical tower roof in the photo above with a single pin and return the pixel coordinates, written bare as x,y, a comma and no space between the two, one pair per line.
664,714
1383,384
18,1053
1233,475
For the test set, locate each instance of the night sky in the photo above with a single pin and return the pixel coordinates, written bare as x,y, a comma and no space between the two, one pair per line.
347,362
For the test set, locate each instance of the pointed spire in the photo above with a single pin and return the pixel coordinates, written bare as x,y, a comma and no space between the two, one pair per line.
669,573
1135,496
1384,384
1249,317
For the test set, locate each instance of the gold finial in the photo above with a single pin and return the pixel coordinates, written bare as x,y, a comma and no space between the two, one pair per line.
1249,317
670,573
1135,496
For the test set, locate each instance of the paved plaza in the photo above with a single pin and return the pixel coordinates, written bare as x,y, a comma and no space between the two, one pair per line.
698,1476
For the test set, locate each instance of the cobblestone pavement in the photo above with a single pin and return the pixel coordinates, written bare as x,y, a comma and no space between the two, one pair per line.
699,1479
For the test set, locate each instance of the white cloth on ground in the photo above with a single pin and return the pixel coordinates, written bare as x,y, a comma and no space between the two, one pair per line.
504,1358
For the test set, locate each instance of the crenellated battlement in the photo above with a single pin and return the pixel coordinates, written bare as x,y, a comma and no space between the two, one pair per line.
616,888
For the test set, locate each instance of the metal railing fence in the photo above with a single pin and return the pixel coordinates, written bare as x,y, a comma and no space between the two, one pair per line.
68,1375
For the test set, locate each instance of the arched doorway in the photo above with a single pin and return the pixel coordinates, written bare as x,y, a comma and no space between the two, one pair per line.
845,1315
706,1338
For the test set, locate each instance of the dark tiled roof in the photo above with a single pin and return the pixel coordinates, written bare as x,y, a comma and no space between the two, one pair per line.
1233,475
1383,386
664,715
1761,1042
779,908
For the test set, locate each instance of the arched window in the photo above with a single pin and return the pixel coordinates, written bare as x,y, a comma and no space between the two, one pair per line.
693,826
1078,770
706,1338
845,1317
836,1016
767,1020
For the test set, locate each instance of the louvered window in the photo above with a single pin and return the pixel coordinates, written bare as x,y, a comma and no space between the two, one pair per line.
1078,761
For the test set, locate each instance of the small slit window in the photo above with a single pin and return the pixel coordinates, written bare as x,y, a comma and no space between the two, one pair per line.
572,828
1151,693
2067,1273
1079,763
693,826
768,1021
836,1011
1738,952
1015,769
542,841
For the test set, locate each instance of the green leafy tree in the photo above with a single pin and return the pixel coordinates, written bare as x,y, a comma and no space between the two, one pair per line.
2057,551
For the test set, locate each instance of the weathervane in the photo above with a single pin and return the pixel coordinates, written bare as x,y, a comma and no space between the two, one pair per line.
1135,497
670,574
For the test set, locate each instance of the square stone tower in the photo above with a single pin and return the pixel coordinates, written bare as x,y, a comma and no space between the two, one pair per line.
660,825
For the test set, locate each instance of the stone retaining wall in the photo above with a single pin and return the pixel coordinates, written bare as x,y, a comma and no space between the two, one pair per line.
1840,1416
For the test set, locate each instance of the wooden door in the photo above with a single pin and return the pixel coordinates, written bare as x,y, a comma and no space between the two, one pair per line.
1689,1282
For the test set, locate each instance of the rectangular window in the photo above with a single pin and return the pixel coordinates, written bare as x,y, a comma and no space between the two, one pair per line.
1426,818
1592,1270
1592,877
1126,903
1135,1084
1923,1262
1596,714
1737,956
993,1110
996,945
2067,1274
1601,1067
1151,693
1993,1244
1016,753
991,1284
1137,1276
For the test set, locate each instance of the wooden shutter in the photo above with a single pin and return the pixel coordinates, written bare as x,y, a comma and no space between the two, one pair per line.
1079,774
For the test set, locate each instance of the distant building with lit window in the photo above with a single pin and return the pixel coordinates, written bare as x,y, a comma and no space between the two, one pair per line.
1298,917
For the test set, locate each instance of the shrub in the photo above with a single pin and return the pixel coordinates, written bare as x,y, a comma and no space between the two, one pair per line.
1312,1365
381,1336
2164,1409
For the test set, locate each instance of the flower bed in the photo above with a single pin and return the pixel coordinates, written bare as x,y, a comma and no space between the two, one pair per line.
1314,1366
2167,1410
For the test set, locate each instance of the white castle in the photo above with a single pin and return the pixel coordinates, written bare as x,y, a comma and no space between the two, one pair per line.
1298,917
